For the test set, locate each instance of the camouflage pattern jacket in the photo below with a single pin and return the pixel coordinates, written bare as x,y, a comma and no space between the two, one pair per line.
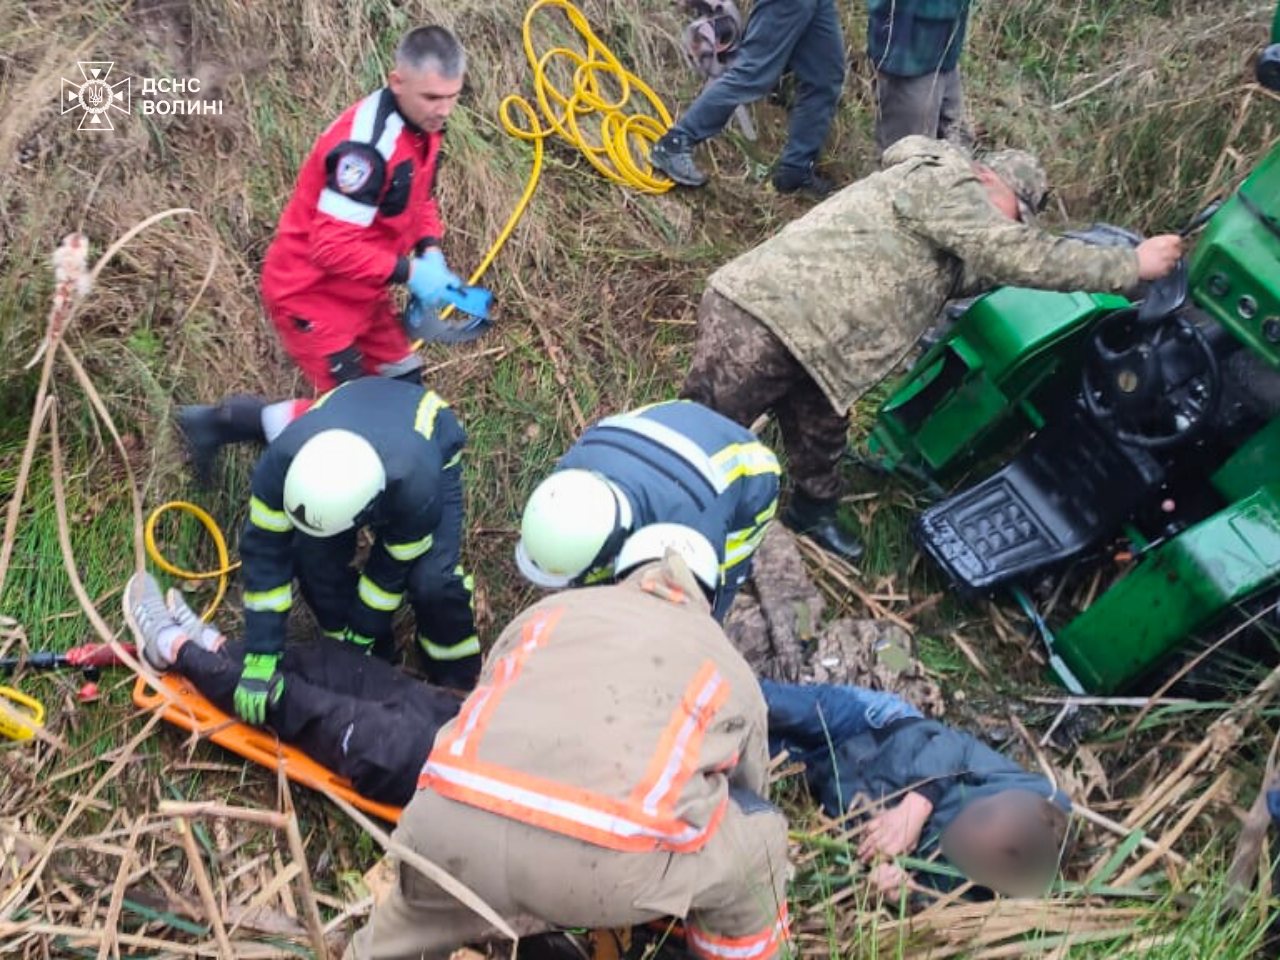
852,284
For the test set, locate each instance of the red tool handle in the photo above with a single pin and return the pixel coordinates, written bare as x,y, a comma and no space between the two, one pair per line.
96,655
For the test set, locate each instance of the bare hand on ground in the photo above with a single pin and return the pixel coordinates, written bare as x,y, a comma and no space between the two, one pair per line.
897,830
887,879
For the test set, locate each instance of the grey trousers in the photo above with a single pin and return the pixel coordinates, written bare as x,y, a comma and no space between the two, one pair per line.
932,105
803,35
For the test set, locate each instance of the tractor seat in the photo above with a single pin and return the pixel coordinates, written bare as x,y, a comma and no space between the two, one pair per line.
1066,492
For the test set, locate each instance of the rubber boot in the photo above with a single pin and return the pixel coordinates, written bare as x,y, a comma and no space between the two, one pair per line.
817,520
673,155
207,428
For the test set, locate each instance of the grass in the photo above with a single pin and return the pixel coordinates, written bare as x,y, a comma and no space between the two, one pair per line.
596,291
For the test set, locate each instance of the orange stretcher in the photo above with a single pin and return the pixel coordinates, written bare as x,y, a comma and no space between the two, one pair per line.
202,718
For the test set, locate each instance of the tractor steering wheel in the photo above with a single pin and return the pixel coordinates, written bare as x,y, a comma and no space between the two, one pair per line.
1150,382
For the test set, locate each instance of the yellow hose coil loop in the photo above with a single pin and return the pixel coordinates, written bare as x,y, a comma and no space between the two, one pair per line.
225,566
624,137
621,156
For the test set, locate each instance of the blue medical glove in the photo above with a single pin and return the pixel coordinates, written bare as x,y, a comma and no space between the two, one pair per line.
429,275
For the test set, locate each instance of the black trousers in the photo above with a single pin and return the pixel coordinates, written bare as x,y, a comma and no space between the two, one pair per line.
438,587
354,714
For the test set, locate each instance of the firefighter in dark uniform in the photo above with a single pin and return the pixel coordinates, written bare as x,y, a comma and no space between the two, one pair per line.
378,453
675,462
362,218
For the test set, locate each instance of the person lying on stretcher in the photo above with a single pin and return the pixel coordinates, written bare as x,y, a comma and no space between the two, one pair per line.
356,715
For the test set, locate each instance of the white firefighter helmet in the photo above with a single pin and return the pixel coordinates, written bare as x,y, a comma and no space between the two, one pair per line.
652,543
574,522
333,479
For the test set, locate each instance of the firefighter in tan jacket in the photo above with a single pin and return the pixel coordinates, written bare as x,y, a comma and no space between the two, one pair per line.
609,769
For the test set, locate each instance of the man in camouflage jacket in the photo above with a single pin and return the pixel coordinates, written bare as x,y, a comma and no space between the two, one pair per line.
808,321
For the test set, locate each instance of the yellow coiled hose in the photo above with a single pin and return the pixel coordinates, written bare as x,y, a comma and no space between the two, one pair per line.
225,566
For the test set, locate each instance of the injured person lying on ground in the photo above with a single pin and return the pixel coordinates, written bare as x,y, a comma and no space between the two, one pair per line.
357,715
938,789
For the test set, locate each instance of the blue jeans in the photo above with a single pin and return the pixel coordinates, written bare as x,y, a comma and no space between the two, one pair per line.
805,719
803,35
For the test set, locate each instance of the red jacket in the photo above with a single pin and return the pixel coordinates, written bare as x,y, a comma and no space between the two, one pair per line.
363,201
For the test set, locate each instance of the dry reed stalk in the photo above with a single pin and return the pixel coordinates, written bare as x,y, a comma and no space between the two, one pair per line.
91,936
11,901
1121,831
970,655
210,808
835,569
1196,661
128,855
311,912
1224,731
204,887
1174,833
1257,824
557,360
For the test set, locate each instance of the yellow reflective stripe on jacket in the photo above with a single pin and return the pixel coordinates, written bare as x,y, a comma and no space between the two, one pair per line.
428,409
277,600
741,544
264,518
320,400
457,459
411,550
374,597
744,460
469,647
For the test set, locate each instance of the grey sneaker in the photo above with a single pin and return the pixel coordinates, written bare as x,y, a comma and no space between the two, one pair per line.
148,618
673,155
205,635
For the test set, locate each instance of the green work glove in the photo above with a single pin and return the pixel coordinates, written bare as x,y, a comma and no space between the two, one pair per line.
260,687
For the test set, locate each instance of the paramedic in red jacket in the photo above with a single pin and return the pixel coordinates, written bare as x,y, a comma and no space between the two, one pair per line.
362,218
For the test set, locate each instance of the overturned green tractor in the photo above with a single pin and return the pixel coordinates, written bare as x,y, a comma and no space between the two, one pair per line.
1154,424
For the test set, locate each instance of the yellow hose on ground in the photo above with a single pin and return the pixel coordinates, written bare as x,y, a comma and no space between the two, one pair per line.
225,566
622,135
620,155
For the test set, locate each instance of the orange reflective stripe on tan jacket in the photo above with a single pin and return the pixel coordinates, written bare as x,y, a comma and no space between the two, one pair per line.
653,748
759,946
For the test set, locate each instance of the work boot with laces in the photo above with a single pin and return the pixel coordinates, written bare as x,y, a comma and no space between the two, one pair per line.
792,179
673,155
207,428
817,520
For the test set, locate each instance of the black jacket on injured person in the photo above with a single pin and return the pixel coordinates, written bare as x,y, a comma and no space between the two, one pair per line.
417,524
